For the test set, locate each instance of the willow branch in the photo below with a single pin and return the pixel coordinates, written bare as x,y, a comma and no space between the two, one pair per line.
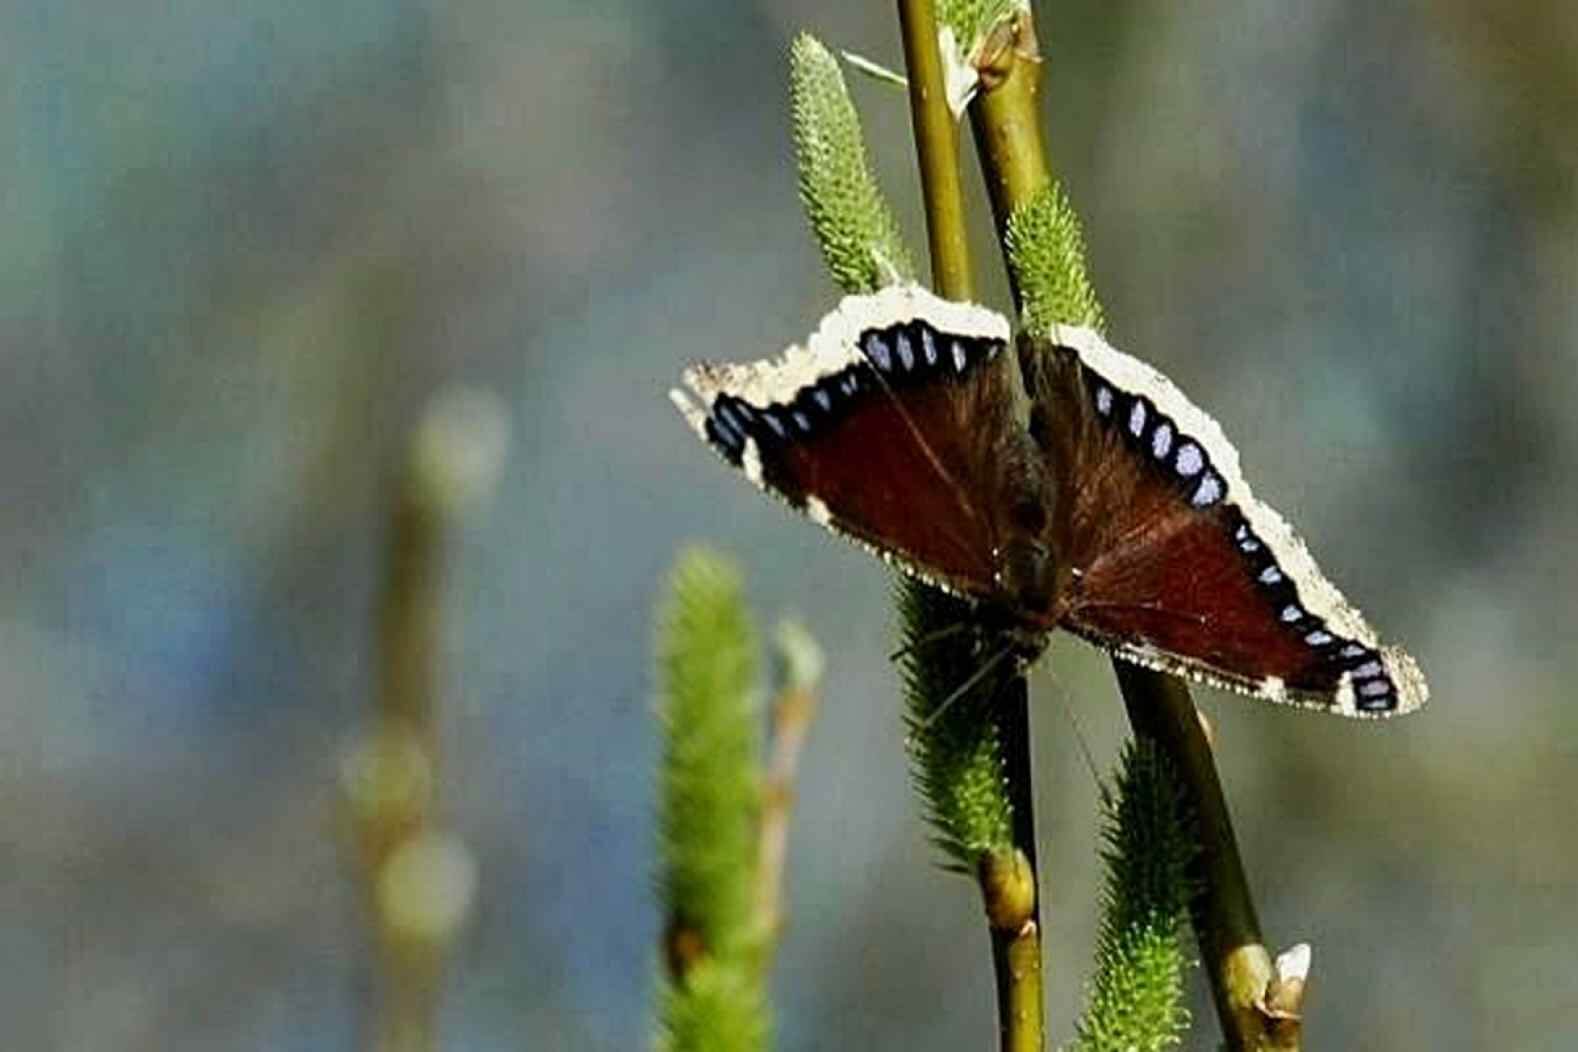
1006,121
419,881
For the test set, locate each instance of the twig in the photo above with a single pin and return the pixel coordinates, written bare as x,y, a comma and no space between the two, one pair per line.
1007,879
792,715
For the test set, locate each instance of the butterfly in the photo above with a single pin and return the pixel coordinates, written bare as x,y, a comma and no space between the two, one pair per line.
1055,480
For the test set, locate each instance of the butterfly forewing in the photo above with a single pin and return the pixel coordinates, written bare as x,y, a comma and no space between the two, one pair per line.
892,425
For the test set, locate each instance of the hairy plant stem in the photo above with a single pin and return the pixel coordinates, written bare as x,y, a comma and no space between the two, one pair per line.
1007,878
1006,121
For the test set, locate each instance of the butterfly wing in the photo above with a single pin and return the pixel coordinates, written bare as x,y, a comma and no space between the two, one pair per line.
1176,564
892,426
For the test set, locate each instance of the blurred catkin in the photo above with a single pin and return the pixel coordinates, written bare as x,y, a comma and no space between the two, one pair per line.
708,811
707,823
717,1007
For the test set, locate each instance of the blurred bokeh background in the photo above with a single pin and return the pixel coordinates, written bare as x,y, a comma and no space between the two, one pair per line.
242,245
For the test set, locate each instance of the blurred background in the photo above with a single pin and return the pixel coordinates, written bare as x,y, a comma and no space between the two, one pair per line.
243,245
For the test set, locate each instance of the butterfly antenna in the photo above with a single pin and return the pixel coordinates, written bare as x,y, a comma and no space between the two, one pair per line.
964,688
928,639
1065,702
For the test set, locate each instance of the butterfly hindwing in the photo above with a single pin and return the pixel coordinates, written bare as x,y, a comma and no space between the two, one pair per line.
1176,564
892,425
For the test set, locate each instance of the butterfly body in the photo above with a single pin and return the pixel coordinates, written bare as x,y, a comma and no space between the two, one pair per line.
1056,481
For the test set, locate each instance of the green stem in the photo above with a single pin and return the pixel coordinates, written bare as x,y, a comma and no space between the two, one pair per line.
1017,959
1013,904
937,147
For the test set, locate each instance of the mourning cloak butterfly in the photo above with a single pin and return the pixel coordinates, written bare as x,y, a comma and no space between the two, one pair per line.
1055,478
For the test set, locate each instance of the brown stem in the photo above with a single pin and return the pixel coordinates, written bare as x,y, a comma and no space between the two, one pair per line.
792,715
408,613
418,882
403,752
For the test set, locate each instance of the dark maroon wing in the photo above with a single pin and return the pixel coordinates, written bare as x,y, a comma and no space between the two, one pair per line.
893,426
1174,562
